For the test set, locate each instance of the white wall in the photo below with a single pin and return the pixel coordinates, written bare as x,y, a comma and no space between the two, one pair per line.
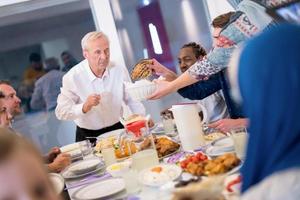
53,48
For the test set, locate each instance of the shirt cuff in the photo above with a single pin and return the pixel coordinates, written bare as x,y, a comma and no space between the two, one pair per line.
78,110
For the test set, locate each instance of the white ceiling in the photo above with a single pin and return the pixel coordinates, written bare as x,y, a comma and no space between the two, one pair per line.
33,10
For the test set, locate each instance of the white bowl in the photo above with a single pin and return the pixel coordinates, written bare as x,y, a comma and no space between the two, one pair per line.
141,92
117,169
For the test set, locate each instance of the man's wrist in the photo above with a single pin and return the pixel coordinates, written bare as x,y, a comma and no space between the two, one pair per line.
85,108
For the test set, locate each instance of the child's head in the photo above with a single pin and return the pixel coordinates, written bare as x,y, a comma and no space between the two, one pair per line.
22,173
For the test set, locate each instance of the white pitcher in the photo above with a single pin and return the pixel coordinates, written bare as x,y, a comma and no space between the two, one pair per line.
189,125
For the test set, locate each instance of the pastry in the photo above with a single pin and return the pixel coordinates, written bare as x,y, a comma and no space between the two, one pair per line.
140,70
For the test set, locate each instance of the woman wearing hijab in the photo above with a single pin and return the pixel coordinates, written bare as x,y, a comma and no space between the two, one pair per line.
269,81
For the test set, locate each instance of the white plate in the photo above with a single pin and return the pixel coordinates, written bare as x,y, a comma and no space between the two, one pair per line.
72,149
213,151
168,173
224,142
84,166
57,181
100,189
67,174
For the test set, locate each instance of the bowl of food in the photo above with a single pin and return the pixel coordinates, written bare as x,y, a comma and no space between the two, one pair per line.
141,89
117,169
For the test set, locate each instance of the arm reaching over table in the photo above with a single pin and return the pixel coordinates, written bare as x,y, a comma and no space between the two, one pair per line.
164,87
225,125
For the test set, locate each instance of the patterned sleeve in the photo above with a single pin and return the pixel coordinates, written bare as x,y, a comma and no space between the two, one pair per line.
202,69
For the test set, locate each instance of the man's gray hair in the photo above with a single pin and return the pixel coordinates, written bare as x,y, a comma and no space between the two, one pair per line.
90,37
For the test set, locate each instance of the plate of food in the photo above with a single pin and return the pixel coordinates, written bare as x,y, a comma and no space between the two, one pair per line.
164,145
214,136
160,174
202,165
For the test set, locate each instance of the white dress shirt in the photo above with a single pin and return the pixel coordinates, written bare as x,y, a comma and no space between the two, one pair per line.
80,82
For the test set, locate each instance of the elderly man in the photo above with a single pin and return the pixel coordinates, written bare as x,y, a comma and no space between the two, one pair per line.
93,91
10,107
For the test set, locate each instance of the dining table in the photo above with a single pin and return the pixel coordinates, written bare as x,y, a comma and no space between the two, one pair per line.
143,192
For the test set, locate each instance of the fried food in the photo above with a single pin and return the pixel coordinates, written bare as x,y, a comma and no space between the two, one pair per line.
140,70
219,165
165,146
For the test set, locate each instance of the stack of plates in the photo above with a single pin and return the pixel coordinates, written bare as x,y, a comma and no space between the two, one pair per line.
83,168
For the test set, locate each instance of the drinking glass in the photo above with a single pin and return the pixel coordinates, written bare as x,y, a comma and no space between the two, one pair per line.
168,124
138,133
240,138
107,151
86,149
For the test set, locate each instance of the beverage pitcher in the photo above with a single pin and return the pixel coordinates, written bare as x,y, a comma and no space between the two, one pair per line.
189,125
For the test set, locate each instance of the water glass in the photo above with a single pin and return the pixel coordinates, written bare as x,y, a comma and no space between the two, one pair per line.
85,147
240,139
107,151
168,124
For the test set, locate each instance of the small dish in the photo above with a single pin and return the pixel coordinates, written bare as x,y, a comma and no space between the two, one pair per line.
117,169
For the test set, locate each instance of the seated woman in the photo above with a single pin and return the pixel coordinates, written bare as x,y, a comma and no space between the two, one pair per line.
269,82
22,173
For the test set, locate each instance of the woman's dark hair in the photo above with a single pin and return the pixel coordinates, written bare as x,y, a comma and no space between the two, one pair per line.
222,20
197,49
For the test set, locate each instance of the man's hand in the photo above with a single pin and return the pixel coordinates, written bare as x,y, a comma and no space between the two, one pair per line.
92,100
225,125
161,70
52,154
60,163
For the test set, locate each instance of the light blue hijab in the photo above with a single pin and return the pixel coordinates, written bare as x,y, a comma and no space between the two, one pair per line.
269,80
